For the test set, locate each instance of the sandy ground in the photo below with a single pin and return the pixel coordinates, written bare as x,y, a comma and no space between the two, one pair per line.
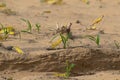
106,75
70,11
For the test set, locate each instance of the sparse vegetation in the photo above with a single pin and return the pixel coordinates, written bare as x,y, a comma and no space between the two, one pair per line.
96,39
117,44
29,25
65,34
38,27
35,36
8,11
64,40
68,70
7,31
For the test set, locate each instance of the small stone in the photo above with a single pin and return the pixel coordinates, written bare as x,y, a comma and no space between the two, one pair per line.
9,47
77,21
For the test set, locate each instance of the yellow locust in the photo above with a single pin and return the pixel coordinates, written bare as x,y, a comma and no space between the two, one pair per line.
60,75
56,43
8,29
53,1
18,50
85,1
97,20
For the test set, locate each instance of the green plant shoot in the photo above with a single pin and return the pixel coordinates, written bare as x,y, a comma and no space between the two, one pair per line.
67,72
29,29
98,39
38,27
95,39
64,40
68,68
117,44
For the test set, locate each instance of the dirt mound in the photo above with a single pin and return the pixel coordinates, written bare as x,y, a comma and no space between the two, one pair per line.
85,59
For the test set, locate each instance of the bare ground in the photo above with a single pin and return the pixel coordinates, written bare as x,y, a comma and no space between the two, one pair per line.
38,63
